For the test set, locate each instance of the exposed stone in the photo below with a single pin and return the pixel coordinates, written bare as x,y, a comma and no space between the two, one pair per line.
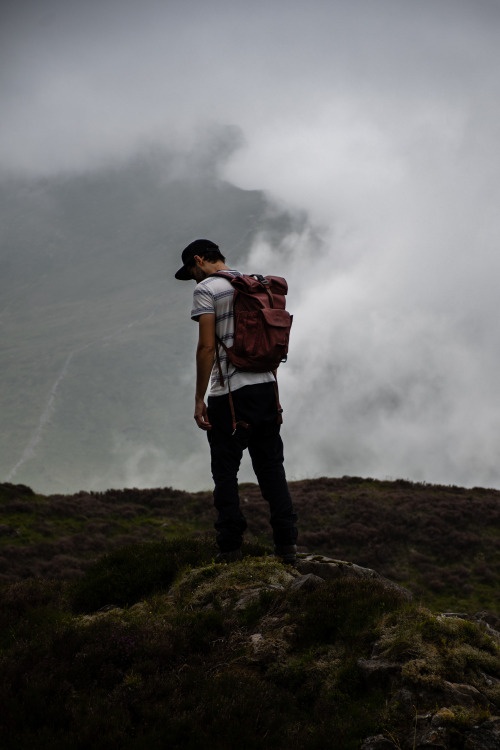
269,646
330,569
433,738
235,585
247,597
490,680
442,716
378,742
307,582
379,672
491,619
241,584
463,695
486,618
256,640
484,737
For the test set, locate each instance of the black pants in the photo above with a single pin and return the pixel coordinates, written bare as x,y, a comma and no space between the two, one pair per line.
256,405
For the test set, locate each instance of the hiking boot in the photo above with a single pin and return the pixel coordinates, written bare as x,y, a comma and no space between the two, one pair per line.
287,552
228,557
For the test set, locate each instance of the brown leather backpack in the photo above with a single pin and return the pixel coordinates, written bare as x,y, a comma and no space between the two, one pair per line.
261,323
261,328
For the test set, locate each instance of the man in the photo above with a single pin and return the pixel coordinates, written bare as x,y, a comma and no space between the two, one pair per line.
254,401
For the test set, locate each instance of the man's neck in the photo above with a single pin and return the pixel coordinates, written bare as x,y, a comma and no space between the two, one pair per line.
205,269
219,266
210,268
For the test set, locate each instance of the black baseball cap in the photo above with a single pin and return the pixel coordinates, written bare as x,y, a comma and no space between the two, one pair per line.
194,248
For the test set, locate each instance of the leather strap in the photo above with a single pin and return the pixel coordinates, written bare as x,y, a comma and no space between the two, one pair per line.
279,408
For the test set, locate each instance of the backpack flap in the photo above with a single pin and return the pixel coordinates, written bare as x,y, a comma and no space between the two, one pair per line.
261,323
261,339
277,332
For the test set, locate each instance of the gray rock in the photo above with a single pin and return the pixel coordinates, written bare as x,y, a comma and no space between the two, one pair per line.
378,672
484,737
437,738
330,569
456,694
378,742
307,582
256,640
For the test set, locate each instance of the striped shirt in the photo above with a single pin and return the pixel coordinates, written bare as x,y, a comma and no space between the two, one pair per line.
215,295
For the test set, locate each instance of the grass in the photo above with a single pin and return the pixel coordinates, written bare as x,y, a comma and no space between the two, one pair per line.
443,543
173,663
113,611
123,577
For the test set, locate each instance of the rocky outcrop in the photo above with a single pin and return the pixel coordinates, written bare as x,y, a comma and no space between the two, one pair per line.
454,703
431,733
408,681
324,647
329,569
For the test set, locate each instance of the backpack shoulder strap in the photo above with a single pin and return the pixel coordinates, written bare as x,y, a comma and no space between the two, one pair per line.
224,275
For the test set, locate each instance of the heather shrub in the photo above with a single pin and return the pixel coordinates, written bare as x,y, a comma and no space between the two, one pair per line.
441,542
134,571
33,605
346,609
130,573
179,669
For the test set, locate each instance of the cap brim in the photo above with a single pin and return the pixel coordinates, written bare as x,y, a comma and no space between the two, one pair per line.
183,274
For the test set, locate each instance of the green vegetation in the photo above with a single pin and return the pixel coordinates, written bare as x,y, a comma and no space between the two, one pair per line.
208,655
442,543
118,627
134,571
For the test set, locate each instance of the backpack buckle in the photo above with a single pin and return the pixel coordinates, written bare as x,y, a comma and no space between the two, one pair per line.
261,279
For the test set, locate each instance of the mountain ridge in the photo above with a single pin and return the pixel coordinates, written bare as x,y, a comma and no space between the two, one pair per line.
89,304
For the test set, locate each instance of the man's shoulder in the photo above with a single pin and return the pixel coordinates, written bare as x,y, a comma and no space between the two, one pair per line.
217,282
222,276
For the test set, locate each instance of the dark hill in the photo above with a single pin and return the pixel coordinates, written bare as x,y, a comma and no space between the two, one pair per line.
157,646
442,543
118,629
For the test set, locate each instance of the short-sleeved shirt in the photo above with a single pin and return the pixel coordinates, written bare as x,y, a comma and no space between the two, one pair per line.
215,295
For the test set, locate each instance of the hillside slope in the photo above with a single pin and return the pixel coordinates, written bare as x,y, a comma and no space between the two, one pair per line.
157,646
443,543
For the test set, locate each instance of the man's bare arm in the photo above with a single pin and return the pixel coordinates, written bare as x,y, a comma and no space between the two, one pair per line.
205,353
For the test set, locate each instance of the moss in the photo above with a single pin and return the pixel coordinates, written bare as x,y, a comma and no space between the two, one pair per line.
435,648
258,607
461,718
225,584
175,665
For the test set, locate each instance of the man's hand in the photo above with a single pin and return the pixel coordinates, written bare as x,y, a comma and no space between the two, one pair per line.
200,414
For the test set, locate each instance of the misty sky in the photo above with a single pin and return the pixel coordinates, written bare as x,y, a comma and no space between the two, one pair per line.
381,119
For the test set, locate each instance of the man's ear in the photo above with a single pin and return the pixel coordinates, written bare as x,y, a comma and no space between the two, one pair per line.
198,260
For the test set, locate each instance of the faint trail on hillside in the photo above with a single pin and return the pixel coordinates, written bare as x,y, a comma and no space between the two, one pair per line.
29,451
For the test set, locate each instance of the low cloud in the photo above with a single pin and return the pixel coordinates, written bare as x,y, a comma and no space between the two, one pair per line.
377,122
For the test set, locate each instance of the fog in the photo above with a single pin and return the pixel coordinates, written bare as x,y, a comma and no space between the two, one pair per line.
380,120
